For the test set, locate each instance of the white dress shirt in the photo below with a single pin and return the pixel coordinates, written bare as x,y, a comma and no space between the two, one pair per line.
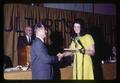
40,38
28,38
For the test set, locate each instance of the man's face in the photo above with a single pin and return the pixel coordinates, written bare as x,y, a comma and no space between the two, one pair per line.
28,31
42,32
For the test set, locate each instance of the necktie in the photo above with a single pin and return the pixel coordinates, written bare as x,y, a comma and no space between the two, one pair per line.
29,41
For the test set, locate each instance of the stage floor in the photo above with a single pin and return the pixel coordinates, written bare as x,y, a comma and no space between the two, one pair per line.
109,73
66,74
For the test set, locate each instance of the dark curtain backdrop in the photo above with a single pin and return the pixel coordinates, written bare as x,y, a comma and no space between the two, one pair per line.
17,16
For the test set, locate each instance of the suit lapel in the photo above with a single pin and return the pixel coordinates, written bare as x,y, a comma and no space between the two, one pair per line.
26,41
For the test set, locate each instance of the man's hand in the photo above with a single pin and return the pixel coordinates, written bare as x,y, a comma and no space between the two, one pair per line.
60,56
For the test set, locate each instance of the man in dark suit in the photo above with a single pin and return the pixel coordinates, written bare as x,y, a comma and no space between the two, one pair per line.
41,61
23,41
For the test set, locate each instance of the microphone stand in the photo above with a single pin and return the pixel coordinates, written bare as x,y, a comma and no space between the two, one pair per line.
76,58
83,52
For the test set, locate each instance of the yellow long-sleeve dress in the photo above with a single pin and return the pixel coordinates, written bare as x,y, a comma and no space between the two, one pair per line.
87,70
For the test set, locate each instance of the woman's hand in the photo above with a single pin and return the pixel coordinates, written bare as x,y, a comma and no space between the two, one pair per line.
90,50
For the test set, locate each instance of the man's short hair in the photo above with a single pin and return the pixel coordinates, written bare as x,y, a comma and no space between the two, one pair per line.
37,26
26,28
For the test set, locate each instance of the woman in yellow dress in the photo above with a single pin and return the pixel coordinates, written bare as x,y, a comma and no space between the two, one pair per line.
83,43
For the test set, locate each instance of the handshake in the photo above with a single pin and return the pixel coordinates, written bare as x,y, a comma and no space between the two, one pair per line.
60,56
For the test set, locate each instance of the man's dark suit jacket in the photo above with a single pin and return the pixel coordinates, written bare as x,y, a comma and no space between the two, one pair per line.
41,61
22,41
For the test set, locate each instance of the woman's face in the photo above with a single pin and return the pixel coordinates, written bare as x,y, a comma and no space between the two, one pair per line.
77,28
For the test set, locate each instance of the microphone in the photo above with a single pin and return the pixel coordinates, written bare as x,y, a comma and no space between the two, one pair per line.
82,50
73,39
